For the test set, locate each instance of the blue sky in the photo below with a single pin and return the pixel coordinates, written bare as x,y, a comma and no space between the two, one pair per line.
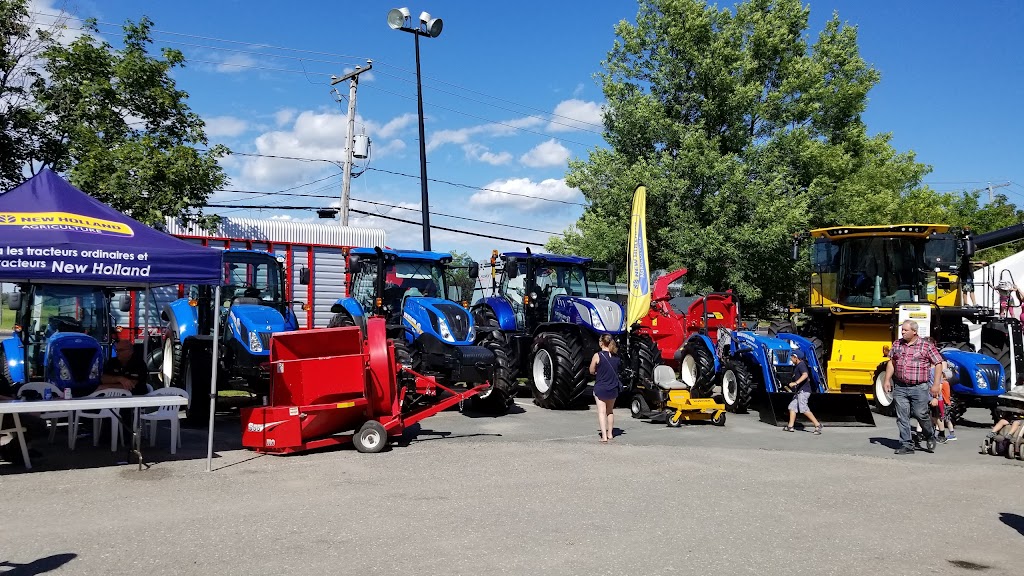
510,96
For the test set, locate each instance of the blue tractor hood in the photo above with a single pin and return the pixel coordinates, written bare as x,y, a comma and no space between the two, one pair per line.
73,360
442,318
974,374
259,318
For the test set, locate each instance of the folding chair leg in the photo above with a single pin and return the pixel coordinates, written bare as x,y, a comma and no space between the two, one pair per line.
52,424
174,436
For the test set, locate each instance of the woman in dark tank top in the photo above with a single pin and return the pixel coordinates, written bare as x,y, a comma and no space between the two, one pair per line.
605,366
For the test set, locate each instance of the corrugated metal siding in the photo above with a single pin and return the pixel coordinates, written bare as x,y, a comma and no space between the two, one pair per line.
284,231
329,283
299,292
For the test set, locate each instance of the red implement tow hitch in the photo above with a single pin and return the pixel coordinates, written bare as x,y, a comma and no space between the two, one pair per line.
329,386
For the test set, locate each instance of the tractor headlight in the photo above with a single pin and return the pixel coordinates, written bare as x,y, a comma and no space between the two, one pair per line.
254,342
595,320
65,372
982,382
442,329
94,372
471,335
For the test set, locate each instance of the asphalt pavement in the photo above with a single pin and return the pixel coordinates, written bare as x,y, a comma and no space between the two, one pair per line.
532,492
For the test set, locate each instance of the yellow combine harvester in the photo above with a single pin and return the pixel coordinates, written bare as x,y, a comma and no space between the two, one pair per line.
865,280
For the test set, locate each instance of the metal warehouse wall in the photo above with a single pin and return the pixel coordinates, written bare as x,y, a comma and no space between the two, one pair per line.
321,247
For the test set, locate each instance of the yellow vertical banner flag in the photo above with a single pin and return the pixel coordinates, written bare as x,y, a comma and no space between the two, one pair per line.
639,301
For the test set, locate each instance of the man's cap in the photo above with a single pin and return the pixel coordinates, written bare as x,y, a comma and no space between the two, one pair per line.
798,353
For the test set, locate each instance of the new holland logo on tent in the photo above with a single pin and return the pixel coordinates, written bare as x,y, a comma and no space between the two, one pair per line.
64,221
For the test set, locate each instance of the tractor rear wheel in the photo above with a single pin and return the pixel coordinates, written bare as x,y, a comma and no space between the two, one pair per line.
558,371
644,356
781,327
170,368
1003,356
698,370
498,398
965,346
737,386
883,400
341,320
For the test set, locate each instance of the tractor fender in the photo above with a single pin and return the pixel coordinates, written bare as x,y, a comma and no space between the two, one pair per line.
702,340
503,311
350,305
976,373
14,351
182,319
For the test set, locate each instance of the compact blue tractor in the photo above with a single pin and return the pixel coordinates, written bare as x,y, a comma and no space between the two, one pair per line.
253,306
543,306
975,381
62,335
433,332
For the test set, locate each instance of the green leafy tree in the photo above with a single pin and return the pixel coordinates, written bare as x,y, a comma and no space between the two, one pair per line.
744,133
458,275
113,120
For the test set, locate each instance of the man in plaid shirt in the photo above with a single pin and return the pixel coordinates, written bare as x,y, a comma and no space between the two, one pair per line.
906,378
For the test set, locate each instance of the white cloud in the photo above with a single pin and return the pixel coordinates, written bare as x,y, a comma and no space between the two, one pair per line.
571,115
525,194
483,154
549,153
236,63
44,15
229,126
578,90
284,116
391,127
462,135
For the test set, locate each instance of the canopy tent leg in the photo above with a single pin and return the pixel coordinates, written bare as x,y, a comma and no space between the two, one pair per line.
213,377
147,297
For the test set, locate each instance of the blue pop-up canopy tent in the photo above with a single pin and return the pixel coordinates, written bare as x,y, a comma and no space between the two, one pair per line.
53,233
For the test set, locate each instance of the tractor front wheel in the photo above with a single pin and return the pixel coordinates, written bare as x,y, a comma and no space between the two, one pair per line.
196,371
883,399
698,370
340,320
558,371
498,398
737,387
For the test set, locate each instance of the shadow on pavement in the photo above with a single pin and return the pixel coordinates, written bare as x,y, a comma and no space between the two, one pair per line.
891,443
40,566
1014,521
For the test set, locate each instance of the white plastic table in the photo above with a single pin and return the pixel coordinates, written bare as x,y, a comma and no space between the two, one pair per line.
16,407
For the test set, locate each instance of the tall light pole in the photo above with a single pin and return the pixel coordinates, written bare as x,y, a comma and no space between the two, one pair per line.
399,19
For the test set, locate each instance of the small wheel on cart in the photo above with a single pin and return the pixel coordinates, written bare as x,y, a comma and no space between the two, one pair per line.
674,419
638,407
1011,451
371,438
718,419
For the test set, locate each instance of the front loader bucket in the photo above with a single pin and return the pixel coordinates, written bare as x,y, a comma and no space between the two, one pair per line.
830,409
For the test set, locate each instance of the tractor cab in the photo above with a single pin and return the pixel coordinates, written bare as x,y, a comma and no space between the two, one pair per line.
534,283
62,334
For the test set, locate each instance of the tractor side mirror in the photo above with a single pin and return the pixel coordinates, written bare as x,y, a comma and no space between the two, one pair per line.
611,274
304,276
14,300
354,265
512,267
969,247
124,303
454,293
474,269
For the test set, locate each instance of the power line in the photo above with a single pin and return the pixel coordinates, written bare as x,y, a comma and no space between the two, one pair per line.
478,188
413,222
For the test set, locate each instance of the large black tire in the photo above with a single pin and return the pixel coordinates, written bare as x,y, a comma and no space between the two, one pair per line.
644,356
781,326
7,382
498,398
341,320
738,385
371,438
698,370
558,371
819,351
883,402
195,370
1001,354
403,355
965,346
170,369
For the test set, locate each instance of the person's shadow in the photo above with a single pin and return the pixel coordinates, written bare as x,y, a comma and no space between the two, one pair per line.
890,443
1014,521
39,566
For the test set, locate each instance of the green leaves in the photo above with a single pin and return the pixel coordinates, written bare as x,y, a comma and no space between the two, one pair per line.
112,119
744,132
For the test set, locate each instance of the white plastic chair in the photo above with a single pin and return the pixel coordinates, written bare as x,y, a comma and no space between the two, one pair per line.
168,413
51,418
97,417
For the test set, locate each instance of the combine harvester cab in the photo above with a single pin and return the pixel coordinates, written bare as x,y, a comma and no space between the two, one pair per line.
252,307
543,306
62,335
434,335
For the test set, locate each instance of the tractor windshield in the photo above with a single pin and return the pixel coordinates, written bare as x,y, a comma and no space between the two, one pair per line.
869,272
253,275
417,278
562,279
51,309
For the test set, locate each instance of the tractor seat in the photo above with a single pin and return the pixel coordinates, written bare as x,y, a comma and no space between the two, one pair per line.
665,377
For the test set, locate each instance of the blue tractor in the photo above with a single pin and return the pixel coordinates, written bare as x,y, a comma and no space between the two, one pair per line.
253,306
543,306
62,335
975,381
433,332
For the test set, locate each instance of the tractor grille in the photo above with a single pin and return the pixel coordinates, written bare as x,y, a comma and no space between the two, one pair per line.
991,374
79,362
457,318
265,340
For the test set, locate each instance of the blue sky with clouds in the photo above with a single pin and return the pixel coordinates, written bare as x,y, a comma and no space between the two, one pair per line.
509,97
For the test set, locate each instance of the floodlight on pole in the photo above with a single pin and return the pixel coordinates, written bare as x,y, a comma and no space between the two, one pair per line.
399,19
